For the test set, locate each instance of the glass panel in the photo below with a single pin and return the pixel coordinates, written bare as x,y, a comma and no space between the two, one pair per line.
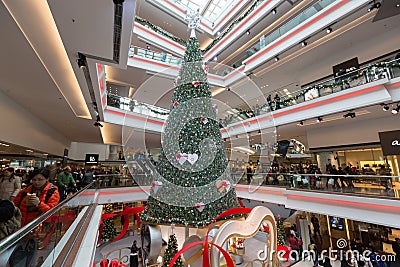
300,18
35,242
368,185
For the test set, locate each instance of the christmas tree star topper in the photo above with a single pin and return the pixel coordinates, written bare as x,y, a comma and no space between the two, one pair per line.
193,18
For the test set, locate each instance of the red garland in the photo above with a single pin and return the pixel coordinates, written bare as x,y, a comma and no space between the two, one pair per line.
206,260
126,212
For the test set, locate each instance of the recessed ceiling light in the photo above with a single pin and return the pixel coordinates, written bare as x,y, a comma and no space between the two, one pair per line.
398,5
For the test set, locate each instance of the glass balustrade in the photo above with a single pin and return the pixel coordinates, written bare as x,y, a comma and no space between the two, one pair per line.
159,56
366,185
132,105
348,80
265,40
34,244
363,185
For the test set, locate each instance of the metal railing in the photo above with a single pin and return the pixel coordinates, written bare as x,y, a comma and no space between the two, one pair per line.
159,56
129,104
366,185
285,28
348,80
42,234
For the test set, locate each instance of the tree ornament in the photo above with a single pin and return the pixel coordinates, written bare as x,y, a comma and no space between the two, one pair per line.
223,185
200,206
204,120
205,68
156,185
175,104
182,157
195,84
192,158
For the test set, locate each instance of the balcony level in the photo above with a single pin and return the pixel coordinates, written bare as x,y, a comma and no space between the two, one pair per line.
365,88
366,208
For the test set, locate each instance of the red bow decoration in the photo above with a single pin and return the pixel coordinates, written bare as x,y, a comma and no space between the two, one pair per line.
126,212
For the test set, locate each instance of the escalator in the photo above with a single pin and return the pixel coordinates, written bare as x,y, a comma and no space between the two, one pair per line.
64,236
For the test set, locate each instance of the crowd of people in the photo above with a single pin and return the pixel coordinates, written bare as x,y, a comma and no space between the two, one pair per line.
25,195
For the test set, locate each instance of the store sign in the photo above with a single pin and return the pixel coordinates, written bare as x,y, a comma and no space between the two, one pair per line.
92,159
390,142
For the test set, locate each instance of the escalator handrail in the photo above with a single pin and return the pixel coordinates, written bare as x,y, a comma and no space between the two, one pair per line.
9,241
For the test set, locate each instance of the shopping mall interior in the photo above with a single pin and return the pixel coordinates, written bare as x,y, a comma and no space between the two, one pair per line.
211,132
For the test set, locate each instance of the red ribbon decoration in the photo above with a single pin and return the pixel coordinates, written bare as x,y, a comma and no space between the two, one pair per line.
126,212
229,261
206,260
232,211
241,203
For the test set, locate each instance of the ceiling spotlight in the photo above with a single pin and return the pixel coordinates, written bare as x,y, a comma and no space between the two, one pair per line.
273,11
385,107
319,119
396,110
218,33
276,58
301,123
248,32
398,5
329,30
304,43
216,58
350,114
82,61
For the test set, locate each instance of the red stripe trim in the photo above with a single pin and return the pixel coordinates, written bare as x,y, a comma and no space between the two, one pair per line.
134,116
175,6
328,101
155,63
259,190
235,72
215,77
352,204
165,39
103,100
111,192
205,25
238,27
312,105
319,17
393,85
227,14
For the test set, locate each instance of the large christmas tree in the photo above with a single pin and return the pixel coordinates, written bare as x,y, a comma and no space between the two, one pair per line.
193,184
170,252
